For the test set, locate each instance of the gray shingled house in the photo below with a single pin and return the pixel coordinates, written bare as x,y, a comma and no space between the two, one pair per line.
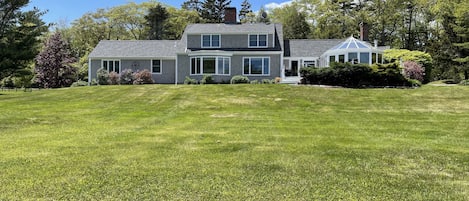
225,50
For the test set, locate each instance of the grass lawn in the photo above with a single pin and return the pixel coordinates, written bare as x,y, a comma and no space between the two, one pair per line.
243,142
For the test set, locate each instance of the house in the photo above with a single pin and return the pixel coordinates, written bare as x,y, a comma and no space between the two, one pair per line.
257,51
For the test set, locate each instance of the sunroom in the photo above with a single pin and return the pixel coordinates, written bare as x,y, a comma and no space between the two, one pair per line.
354,51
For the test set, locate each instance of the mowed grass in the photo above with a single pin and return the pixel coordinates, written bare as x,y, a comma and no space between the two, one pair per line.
235,142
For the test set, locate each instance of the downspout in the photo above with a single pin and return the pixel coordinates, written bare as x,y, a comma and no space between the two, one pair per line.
89,71
176,71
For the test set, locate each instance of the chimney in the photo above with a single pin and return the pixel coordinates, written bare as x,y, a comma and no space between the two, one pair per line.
230,15
364,31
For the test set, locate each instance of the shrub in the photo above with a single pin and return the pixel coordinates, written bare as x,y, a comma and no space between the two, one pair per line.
189,80
278,80
239,79
93,82
413,70
103,76
464,82
143,77
114,78
79,83
254,82
127,77
207,79
7,82
266,81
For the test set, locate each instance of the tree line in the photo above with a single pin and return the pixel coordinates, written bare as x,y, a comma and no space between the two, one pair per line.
438,27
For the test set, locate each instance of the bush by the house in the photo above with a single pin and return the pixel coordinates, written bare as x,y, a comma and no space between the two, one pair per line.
114,78
239,79
355,76
207,79
94,82
143,77
103,76
413,70
79,83
189,80
254,82
267,81
7,82
127,77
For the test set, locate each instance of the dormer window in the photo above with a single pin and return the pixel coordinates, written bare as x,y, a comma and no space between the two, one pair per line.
211,41
258,40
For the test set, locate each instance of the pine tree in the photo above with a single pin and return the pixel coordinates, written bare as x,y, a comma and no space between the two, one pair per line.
245,9
156,20
213,10
192,5
54,64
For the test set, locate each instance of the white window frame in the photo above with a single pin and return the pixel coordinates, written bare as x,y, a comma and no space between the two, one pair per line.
161,66
211,41
250,64
258,41
113,65
201,64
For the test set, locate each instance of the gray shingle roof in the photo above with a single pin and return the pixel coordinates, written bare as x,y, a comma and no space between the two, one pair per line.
229,28
136,49
309,48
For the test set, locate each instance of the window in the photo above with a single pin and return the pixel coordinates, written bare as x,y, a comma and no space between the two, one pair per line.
309,63
210,65
365,57
373,58
342,58
331,59
156,66
258,40
211,41
353,57
256,66
380,58
111,65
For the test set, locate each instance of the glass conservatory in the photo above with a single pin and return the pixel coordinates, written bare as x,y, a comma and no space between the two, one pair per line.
354,51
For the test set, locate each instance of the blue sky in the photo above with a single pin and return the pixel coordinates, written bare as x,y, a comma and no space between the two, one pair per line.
69,10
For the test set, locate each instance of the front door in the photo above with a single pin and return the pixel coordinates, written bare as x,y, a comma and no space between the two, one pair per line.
294,68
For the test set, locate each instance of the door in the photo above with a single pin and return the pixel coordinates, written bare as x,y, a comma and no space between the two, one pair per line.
294,68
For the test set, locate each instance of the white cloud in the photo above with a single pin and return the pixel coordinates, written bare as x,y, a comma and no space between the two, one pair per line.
273,5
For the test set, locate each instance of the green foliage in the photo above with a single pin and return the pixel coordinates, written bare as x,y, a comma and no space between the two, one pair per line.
103,76
212,11
190,81
207,79
399,56
127,77
254,82
245,11
239,79
143,77
79,83
267,81
355,76
156,21
294,22
7,82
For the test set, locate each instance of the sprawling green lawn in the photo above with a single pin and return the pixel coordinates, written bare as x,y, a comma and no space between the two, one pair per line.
243,142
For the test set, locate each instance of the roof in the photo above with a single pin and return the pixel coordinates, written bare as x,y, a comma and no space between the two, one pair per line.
229,28
352,43
308,47
136,49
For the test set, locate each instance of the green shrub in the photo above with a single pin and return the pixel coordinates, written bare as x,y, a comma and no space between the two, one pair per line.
93,82
114,78
254,82
464,83
79,83
103,76
7,82
143,77
239,79
189,80
207,79
127,77
267,81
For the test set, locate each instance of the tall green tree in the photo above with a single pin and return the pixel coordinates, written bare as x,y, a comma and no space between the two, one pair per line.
245,10
54,64
213,11
156,21
294,22
192,5
19,37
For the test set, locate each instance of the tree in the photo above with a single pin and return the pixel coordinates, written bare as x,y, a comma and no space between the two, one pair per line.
462,41
20,33
294,22
213,10
156,21
262,16
245,10
192,5
54,64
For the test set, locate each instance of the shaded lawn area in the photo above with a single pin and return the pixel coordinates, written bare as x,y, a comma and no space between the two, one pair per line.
235,142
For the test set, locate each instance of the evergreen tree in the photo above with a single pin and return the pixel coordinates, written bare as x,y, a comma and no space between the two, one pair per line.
245,10
54,64
19,37
192,5
156,20
213,10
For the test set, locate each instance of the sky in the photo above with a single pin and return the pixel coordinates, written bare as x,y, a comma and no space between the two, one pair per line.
66,11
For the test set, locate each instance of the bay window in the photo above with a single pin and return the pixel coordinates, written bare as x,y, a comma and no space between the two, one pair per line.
210,66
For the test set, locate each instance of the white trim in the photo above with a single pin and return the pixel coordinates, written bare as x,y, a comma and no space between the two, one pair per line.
161,66
250,59
211,40
176,73
210,53
258,41
134,58
216,65
113,66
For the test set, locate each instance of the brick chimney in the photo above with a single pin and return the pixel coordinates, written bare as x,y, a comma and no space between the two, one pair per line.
364,31
230,15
